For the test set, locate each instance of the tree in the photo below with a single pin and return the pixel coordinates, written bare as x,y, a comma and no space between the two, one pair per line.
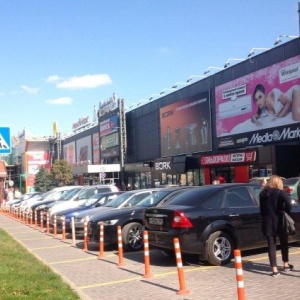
62,173
43,181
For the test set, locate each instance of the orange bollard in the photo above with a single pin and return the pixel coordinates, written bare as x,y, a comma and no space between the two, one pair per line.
48,221
31,217
85,241
101,241
63,220
120,247
146,255
239,275
54,226
41,220
182,289
35,218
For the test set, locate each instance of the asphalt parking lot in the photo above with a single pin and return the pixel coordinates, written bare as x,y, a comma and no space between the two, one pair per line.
103,278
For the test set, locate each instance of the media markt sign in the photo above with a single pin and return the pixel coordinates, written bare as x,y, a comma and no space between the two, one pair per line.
5,140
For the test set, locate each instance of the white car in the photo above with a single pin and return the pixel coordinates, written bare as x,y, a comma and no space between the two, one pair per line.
81,197
54,194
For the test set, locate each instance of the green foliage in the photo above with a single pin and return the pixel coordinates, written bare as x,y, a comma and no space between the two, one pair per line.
43,182
62,173
25,277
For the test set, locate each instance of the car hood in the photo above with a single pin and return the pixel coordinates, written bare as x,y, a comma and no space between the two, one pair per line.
94,211
115,213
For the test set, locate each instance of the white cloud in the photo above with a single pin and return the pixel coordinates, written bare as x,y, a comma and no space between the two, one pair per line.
29,89
60,101
53,78
80,82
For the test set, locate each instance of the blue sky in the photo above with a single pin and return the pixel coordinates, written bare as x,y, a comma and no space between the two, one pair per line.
59,58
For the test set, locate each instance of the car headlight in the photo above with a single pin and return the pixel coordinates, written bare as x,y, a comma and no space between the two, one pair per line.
108,222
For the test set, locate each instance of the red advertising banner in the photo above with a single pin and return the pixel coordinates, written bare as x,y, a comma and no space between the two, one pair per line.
228,158
36,160
96,149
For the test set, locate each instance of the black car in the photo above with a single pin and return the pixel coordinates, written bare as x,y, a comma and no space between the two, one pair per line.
211,221
130,219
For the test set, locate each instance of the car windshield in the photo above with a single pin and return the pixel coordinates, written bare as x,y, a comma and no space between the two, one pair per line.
69,194
153,199
92,200
119,200
290,181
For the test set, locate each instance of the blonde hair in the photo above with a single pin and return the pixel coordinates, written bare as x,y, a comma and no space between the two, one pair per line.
275,182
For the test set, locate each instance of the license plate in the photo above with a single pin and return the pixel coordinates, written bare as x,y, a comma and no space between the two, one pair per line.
156,221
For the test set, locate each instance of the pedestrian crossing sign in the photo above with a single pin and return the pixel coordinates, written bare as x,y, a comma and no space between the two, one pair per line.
5,140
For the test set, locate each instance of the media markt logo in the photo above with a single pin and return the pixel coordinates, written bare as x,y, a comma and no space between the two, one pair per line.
286,134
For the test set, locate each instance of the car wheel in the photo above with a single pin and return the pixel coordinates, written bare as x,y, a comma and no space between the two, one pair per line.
219,248
132,236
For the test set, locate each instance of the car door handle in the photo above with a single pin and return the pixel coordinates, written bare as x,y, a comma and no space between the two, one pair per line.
234,215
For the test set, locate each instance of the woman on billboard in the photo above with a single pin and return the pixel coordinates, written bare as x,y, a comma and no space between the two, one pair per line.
276,104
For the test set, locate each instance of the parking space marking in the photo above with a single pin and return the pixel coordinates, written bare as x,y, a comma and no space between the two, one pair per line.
71,261
141,278
79,259
41,248
39,238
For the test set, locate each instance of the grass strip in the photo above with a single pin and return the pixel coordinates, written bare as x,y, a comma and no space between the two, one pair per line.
23,276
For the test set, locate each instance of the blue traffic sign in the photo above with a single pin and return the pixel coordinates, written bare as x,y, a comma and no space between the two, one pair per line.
5,140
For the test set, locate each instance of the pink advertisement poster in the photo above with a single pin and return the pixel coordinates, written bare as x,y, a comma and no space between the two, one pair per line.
268,98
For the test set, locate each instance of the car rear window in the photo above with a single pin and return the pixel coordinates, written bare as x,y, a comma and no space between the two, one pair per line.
190,197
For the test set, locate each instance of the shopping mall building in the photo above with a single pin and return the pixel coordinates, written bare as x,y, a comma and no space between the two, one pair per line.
209,127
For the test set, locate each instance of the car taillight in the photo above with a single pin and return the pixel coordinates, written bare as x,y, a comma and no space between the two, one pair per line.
181,221
289,190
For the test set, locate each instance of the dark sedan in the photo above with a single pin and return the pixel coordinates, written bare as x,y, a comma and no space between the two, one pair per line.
130,219
211,221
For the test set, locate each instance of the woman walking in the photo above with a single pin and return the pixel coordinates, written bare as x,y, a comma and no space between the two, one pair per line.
273,201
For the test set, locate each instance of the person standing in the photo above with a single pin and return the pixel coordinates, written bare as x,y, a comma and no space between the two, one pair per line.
17,193
273,201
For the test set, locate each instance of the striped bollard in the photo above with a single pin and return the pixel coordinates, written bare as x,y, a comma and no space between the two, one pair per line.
182,289
31,217
41,220
63,220
146,256
48,222
54,226
239,275
101,240
35,218
73,231
120,247
85,241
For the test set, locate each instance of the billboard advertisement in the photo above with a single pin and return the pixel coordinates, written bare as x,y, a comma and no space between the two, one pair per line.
96,149
35,160
69,153
83,149
109,141
260,108
186,126
109,125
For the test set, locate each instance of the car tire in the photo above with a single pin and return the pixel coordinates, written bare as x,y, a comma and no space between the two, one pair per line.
132,236
219,248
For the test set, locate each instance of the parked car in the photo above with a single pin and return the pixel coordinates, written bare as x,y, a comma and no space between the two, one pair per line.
292,187
81,197
130,219
127,199
211,221
96,200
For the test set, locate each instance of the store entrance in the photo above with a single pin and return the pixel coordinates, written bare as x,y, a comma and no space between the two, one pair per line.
224,172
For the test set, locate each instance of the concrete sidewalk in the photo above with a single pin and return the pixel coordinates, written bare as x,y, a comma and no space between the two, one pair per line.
94,278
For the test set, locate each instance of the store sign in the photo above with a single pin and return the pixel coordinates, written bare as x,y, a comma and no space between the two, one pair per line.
228,158
162,165
80,123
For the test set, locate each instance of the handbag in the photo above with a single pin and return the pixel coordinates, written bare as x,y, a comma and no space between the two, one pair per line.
288,224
